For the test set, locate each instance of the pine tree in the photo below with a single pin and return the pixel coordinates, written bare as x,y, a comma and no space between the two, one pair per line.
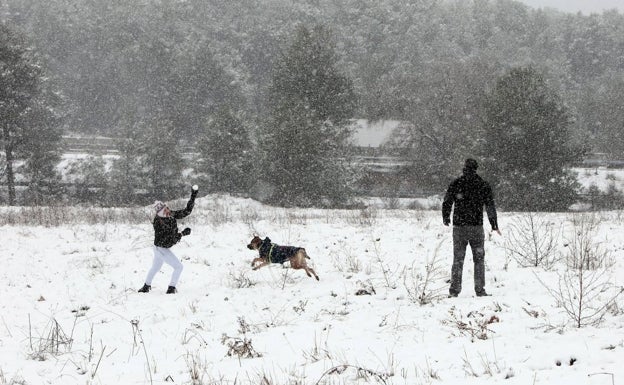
127,174
89,179
527,146
304,145
29,119
41,149
161,159
226,153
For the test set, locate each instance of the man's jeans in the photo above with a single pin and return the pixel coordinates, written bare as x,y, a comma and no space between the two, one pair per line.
462,237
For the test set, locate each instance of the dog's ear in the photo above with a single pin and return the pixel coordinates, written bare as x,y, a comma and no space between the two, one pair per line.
267,239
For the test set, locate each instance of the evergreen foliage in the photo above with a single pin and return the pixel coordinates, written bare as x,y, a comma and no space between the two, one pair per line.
90,179
526,146
607,119
41,150
150,164
423,62
161,160
114,54
30,120
304,143
442,118
226,154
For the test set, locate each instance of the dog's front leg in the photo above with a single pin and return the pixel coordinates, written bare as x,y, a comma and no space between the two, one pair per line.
264,263
256,260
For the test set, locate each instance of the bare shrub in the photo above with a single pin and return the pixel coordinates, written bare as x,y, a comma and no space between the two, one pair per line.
475,325
365,288
361,373
344,257
196,368
416,205
240,347
53,341
585,290
249,216
221,214
54,216
585,295
297,217
317,352
239,279
363,217
489,368
301,307
427,284
392,203
389,274
583,249
15,380
137,339
194,335
532,241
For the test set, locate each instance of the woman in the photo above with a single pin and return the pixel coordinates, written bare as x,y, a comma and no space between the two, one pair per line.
166,235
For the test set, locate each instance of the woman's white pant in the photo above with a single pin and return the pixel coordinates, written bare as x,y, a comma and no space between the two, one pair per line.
163,255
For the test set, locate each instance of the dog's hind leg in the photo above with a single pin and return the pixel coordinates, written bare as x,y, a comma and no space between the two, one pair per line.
309,270
302,264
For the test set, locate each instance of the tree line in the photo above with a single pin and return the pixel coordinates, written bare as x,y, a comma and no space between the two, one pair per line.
268,87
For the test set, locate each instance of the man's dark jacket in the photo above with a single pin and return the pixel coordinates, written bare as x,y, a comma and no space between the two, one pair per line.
469,193
166,228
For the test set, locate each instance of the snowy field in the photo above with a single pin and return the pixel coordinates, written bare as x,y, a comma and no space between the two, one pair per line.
601,177
70,313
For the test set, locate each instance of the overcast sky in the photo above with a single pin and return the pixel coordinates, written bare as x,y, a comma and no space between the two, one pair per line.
584,6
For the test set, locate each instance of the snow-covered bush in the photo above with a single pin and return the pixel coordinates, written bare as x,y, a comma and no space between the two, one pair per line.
532,241
425,284
585,289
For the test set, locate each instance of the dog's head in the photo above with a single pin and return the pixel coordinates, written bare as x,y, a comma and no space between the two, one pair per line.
255,243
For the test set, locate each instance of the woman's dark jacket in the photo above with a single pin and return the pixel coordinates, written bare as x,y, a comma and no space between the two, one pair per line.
166,228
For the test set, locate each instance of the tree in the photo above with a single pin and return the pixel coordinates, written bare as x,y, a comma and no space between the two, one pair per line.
89,179
527,147
127,172
200,87
604,115
304,145
40,149
443,117
28,116
226,151
161,158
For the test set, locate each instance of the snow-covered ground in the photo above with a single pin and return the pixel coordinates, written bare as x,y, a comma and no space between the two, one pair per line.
70,313
601,177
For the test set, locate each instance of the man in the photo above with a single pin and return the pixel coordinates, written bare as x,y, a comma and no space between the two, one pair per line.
166,235
469,193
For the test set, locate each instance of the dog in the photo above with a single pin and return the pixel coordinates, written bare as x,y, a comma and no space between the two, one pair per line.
271,253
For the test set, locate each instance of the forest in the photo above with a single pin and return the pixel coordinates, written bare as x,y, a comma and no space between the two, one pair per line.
269,88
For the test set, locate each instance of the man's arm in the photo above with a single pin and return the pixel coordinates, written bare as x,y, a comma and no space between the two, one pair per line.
490,208
447,204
